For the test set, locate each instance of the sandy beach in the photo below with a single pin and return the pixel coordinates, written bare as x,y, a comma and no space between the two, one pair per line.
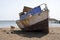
54,34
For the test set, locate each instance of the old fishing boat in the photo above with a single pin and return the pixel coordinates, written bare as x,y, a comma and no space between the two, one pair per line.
34,19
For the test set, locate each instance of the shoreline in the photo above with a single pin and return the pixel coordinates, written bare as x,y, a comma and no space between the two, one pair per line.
54,34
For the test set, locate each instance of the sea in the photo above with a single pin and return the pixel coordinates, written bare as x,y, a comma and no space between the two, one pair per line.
7,24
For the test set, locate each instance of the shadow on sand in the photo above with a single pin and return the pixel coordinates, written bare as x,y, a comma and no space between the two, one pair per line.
29,34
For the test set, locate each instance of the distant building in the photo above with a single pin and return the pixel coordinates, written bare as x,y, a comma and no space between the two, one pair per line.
52,20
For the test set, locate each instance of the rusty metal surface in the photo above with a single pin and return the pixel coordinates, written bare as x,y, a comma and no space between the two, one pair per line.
26,9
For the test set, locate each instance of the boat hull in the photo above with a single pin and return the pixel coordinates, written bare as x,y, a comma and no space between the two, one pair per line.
36,23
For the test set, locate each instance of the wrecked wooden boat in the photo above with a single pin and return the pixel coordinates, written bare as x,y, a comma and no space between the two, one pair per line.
34,19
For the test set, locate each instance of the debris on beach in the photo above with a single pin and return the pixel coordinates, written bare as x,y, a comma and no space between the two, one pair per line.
12,29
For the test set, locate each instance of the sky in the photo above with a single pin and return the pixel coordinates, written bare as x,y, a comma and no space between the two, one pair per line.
10,9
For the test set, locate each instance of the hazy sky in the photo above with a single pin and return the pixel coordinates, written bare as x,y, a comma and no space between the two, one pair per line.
9,9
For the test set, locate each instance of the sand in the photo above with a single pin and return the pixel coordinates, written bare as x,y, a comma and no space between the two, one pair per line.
54,34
